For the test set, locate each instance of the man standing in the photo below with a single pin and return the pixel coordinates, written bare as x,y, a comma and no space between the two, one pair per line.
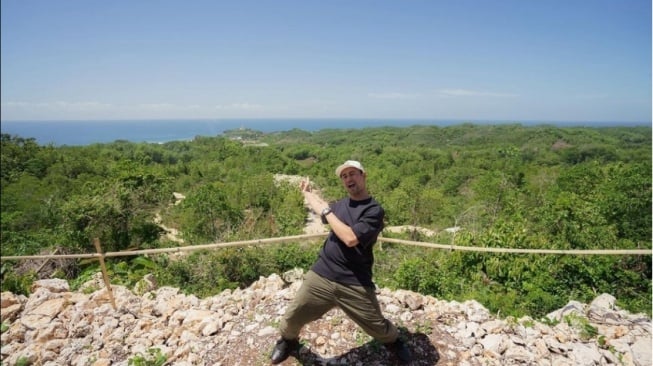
342,274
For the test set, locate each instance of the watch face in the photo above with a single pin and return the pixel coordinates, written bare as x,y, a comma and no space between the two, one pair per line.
323,215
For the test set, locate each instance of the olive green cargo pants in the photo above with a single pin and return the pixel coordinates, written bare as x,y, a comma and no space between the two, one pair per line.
317,295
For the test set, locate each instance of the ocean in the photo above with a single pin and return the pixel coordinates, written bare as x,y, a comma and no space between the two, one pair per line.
78,133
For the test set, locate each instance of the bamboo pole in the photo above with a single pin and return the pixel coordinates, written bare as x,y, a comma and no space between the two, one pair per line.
381,239
188,248
523,250
105,275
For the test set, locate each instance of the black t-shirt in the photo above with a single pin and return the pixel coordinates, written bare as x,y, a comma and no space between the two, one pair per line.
352,266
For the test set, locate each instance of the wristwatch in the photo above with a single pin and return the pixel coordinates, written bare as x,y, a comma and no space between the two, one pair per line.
325,212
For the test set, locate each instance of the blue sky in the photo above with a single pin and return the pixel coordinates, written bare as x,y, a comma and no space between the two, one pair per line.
500,60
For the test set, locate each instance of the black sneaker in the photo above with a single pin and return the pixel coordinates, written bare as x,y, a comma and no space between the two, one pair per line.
401,351
282,350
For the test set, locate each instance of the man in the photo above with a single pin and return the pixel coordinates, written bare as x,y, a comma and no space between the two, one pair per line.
342,274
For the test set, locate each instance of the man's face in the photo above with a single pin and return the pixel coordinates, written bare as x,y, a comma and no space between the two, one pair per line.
353,180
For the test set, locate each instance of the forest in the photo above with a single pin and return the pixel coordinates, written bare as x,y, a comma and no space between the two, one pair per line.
503,186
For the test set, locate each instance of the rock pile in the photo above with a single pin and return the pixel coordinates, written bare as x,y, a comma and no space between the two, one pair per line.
54,326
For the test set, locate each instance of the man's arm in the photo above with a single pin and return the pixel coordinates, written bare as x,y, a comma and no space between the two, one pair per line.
342,230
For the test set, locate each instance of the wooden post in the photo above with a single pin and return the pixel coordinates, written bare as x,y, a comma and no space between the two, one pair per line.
46,261
107,284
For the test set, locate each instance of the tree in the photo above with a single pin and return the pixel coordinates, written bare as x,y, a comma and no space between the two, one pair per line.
210,214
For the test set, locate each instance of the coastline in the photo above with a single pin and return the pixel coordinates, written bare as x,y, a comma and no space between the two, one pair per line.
80,133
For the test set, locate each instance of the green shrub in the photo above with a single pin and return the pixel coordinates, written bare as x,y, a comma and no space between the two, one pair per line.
15,283
154,357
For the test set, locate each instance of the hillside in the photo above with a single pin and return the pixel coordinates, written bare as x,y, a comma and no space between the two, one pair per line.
54,326
482,186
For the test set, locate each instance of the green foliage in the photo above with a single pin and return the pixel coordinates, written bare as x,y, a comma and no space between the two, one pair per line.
14,282
231,268
23,361
289,256
17,155
89,270
128,273
419,275
624,198
121,272
582,325
211,213
154,357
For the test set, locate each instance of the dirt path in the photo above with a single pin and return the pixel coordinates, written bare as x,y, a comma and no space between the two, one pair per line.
171,234
314,224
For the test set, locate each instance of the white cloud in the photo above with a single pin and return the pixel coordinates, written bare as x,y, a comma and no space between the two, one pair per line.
392,95
15,104
96,110
164,107
239,106
473,93
156,106
58,105
441,93
81,105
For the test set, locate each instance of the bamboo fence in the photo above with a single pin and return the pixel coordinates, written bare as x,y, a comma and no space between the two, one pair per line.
450,247
101,256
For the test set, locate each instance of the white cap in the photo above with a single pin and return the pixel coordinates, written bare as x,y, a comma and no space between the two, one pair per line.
349,164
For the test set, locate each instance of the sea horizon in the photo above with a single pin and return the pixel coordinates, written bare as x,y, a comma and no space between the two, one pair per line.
87,132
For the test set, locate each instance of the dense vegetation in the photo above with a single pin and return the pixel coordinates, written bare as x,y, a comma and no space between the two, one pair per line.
503,185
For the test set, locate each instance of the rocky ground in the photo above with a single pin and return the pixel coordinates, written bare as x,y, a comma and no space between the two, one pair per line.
55,326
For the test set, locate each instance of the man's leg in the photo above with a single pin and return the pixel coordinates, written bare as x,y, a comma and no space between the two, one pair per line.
361,305
313,299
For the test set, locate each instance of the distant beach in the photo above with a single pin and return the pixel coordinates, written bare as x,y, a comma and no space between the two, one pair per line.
74,133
